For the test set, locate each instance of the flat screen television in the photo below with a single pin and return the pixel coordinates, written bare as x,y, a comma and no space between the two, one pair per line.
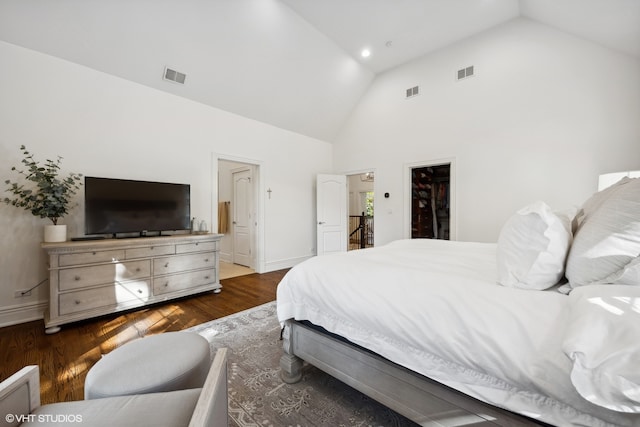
114,206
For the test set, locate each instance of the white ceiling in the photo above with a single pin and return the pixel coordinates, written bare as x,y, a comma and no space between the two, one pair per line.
396,31
291,63
417,27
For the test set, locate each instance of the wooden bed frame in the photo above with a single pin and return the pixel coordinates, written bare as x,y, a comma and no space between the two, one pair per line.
417,397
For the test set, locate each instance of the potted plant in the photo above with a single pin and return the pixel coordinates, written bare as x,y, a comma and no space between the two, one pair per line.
45,194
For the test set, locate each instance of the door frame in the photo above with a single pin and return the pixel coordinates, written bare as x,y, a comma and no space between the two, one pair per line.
258,235
453,214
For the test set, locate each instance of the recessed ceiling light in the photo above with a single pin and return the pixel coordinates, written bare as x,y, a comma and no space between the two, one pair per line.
365,53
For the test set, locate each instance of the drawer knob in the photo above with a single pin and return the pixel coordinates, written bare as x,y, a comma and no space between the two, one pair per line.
206,277
166,265
166,285
93,253
77,278
206,260
139,291
138,270
77,302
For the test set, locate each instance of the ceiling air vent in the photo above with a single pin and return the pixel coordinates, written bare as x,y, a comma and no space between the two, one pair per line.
412,91
465,72
174,76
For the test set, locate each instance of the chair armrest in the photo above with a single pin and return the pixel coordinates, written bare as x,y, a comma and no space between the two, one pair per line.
20,393
212,407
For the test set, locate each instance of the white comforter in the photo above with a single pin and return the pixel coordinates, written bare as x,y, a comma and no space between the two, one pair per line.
434,307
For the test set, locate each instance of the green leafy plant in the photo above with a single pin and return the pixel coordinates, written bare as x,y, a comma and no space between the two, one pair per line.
50,195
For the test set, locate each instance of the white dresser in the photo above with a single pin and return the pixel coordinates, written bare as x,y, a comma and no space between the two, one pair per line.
97,277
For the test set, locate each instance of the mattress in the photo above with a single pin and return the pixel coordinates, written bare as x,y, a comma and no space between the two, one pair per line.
434,307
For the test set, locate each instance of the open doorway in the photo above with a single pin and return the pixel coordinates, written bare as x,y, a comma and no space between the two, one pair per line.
430,201
361,211
237,215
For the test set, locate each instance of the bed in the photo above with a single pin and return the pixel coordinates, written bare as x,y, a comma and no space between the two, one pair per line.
542,327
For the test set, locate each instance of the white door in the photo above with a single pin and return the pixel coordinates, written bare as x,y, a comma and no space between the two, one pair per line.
331,194
242,208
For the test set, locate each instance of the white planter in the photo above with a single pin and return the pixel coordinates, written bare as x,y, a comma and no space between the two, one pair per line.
55,233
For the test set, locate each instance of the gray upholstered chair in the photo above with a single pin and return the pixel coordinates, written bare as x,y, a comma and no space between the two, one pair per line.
163,362
195,407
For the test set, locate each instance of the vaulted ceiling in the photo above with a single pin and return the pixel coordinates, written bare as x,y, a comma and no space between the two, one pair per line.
295,64
396,31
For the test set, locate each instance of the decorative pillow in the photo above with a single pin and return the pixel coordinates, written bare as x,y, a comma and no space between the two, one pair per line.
532,248
606,246
594,202
602,341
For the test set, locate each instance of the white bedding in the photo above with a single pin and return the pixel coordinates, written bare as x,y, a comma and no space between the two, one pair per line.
434,307
603,340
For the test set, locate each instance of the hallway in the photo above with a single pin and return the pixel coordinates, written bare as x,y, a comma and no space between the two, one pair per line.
228,270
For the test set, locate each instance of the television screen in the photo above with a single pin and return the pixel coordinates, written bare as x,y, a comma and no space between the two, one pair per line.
126,206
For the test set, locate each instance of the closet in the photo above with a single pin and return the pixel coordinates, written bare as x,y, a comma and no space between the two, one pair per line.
430,202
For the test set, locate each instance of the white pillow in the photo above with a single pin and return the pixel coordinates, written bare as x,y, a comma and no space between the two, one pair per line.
593,203
532,248
606,246
602,340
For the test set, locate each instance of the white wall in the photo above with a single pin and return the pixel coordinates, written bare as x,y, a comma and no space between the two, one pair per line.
106,126
545,114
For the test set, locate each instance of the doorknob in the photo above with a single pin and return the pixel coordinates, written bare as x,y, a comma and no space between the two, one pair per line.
320,222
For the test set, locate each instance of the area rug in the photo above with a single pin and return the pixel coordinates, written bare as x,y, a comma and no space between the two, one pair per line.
257,395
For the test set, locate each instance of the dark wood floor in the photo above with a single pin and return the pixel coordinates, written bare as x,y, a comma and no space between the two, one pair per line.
64,358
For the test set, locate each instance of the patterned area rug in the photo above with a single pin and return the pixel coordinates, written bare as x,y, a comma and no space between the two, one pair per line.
257,395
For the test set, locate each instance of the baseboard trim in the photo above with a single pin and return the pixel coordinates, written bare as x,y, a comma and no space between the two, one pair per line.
22,313
284,263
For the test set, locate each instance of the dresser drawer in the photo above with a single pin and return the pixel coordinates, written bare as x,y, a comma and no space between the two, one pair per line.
80,277
106,296
150,251
184,248
179,282
66,260
176,264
